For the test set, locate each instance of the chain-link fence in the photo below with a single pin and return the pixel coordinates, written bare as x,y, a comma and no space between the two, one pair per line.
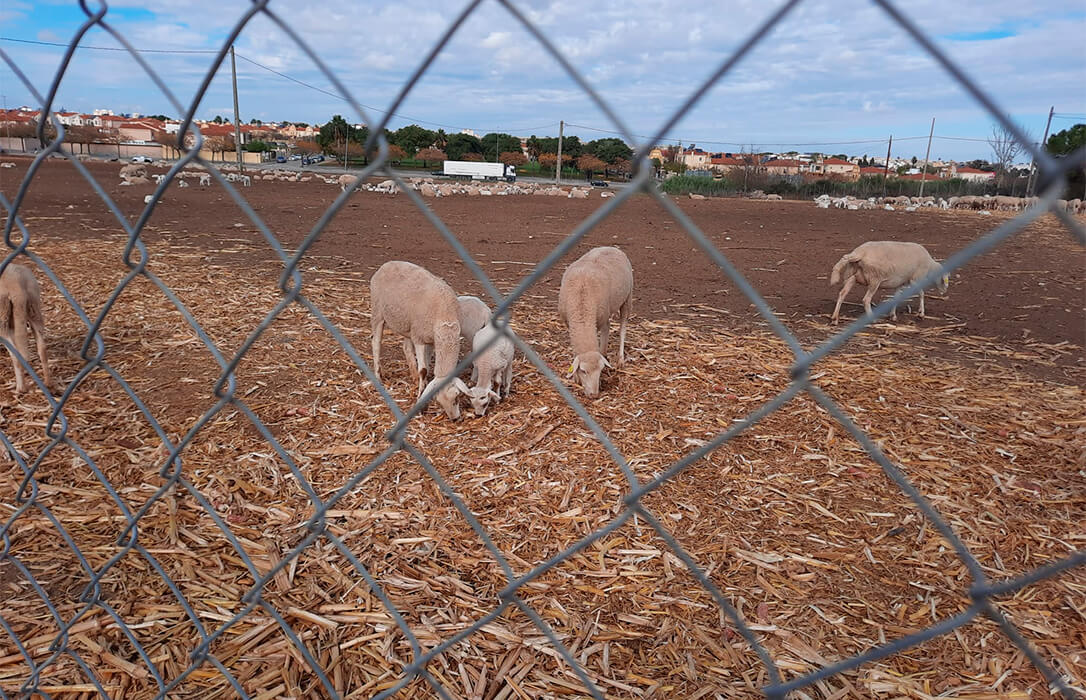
202,658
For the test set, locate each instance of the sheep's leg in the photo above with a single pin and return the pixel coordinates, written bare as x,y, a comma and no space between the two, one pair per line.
604,335
845,289
921,303
378,327
870,294
623,317
39,339
507,380
424,367
20,341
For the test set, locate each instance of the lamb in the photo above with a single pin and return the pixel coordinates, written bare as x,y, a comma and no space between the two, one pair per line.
20,303
890,264
594,288
493,366
422,308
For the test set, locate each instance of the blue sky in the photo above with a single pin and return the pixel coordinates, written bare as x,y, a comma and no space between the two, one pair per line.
832,71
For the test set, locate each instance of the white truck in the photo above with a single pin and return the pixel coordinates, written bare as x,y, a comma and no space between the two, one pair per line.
480,171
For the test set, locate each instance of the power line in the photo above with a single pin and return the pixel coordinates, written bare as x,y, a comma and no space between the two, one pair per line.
107,48
270,70
749,143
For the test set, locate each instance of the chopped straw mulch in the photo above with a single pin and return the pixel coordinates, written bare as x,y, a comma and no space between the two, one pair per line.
793,521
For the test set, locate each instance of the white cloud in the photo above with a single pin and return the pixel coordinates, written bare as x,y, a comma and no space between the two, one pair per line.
831,70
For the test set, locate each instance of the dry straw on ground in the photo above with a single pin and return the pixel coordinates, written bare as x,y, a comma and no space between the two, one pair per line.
792,520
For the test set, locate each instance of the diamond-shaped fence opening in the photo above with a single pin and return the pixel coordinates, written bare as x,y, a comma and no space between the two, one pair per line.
224,606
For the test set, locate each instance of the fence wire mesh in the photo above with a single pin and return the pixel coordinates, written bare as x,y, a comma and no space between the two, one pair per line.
56,433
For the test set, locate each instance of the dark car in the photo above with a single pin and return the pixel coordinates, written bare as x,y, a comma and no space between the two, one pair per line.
280,159
600,183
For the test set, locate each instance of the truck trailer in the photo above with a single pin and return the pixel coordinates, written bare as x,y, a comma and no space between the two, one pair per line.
480,171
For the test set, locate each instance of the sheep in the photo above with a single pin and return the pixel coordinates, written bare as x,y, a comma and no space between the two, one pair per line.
346,181
422,308
20,303
595,287
182,183
205,180
493,366
472,312
889,264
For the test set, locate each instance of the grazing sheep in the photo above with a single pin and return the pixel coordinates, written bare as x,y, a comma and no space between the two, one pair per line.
205,180
492,366
422,308
472,312
20,304
594,288
346,181
889,264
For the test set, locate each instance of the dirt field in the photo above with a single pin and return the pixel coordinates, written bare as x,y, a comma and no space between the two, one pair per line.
980,404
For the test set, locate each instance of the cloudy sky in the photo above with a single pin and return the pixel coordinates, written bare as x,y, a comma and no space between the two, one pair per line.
832,71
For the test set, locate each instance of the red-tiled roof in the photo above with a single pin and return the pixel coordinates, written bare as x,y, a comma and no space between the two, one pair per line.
975,171
872,171
835,161
784,163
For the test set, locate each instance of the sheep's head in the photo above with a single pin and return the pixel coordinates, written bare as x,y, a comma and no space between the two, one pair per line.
481,398
943,284
586,370
449,397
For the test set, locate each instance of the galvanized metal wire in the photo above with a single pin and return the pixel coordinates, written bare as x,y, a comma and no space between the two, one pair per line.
18,239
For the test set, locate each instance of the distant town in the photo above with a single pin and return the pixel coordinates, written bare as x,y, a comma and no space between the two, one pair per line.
102,132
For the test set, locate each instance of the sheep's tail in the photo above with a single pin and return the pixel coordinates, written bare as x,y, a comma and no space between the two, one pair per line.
843,266
33,311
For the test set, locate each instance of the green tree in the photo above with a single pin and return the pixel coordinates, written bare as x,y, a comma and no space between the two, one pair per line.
412,138
332,134
1065,142
571,146
461,144
493,144
217,119
257,147
608,150
159,117
257,122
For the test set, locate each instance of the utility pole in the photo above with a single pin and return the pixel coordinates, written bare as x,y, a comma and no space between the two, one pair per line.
1033,160
558,165
496,146
927,154
237,119
886,168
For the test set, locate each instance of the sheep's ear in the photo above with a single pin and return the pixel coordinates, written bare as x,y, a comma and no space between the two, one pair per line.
606,363
495,396
460,385
574,366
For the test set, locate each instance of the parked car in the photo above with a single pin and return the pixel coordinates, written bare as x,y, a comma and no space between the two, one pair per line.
141,159
600,183
280,159
295,157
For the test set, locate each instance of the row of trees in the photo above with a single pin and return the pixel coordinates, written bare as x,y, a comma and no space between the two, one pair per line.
337,137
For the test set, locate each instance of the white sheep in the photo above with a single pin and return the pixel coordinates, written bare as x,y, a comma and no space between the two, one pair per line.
20,304
493,366
594,288
346,181
182,183
205,180
472,312
889,264
421,307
